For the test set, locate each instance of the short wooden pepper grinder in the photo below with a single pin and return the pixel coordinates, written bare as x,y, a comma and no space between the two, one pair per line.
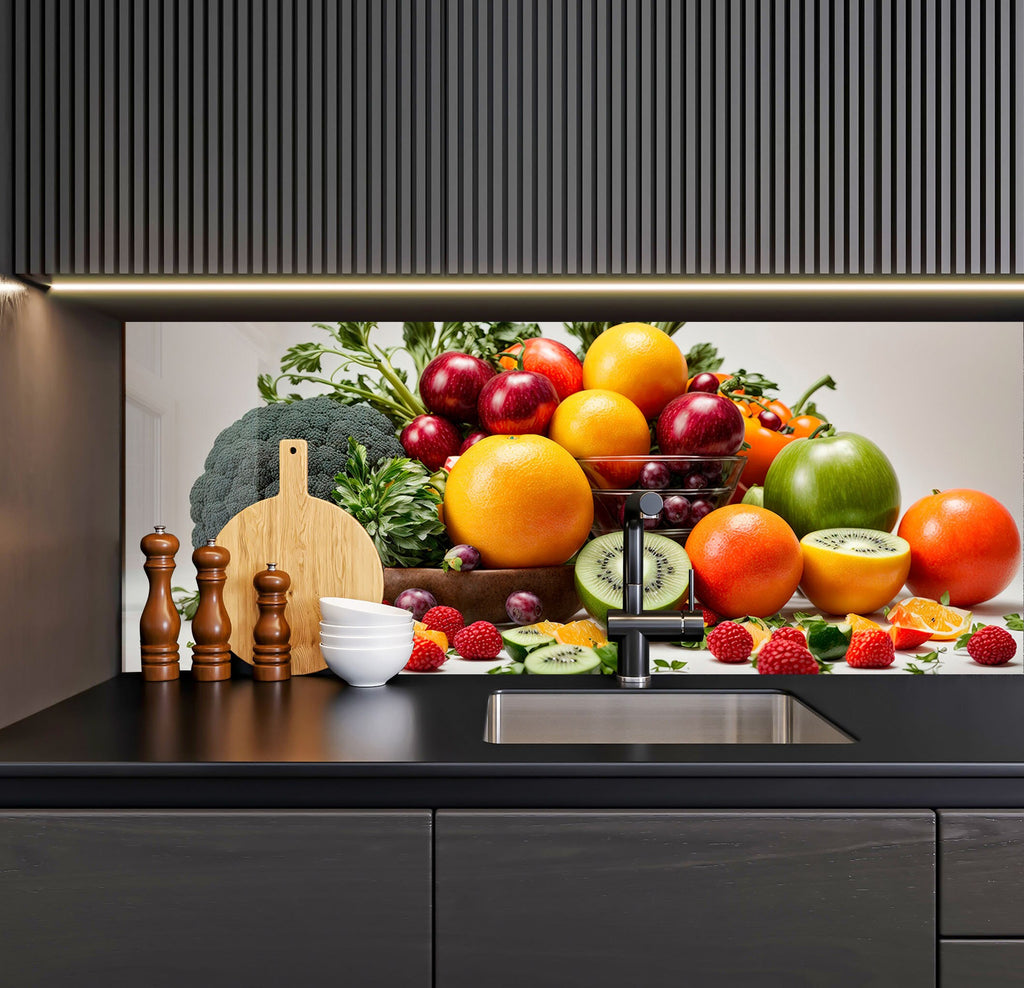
160,622
211,626
271,651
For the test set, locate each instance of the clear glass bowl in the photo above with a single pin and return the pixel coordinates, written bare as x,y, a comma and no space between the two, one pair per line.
692,486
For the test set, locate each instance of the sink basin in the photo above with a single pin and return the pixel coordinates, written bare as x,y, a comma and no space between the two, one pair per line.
655,717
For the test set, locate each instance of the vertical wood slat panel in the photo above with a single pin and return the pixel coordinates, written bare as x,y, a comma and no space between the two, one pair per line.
547,136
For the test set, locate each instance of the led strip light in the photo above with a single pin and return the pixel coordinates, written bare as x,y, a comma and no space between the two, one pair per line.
547,286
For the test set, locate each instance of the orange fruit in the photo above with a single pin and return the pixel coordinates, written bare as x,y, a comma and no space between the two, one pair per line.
586,633
521,500
758,632
962,542
859,623
639,361
600,423
746,560
944,623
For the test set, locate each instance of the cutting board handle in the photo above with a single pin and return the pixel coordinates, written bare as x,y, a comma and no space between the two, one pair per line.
294,468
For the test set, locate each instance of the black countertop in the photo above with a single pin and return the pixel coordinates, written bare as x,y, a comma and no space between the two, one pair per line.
923,741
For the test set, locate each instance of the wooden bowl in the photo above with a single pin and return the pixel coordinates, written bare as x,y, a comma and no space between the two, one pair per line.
480,594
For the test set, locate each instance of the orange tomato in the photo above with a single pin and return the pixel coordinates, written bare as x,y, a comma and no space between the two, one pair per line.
804,425
765,445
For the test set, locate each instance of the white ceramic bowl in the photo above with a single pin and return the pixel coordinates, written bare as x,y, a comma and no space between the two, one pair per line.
345,610
366,666
328,628
367,641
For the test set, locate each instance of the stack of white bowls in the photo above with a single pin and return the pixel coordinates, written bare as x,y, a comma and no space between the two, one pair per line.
362,642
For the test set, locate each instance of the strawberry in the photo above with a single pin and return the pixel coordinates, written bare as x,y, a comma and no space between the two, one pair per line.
480,640
870,650
730,642
790,634
991,646
904,638
710,617
784,656
427,656
446,619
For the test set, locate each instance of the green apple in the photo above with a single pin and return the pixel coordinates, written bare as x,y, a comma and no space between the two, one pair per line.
837,481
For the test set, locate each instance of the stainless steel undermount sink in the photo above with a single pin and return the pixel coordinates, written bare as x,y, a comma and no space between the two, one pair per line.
655,717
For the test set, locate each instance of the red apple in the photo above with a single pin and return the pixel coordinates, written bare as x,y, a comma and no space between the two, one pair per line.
472,439
431,440
450,385
700,424
552,359
517,402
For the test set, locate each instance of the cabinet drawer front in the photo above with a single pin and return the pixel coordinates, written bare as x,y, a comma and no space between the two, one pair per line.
981,873
166,899
604,898
981,963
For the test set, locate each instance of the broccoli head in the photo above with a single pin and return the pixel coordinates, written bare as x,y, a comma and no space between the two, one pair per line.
242,467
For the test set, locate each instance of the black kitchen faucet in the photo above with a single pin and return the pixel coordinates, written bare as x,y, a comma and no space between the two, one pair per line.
630,627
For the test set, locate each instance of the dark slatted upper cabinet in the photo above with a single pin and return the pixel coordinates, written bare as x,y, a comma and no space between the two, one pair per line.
512,136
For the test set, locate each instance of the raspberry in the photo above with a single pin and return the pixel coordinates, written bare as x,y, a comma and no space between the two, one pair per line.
730,642
992,646
480,640
710,617
446,619
790,635
784,656
870,650
427,656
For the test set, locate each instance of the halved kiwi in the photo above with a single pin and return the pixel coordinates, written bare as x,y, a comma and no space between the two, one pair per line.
519,641
599,573
561,660
853,570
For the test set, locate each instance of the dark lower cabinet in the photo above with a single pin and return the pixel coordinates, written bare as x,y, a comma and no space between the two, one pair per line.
981,963
170,899
604,898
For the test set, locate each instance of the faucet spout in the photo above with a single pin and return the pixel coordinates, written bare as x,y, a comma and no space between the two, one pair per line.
630,627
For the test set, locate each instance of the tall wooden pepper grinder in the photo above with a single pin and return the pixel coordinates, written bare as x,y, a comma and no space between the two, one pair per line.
211,626
160,622
271,650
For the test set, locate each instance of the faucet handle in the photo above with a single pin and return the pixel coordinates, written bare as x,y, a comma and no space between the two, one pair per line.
690,599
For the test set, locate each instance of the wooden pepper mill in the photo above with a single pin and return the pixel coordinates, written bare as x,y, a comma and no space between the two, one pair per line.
160,622
211,626
271,651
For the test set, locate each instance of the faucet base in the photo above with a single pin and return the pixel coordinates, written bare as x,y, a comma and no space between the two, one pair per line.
634,682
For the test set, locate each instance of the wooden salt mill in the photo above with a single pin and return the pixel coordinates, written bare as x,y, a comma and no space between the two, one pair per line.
160,623
211,626
271,651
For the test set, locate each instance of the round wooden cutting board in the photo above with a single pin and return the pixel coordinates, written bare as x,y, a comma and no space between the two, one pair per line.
325,551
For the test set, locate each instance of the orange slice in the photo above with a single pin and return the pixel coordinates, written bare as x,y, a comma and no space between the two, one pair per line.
758,632
547,628
422,631
859,623
943,623
585,633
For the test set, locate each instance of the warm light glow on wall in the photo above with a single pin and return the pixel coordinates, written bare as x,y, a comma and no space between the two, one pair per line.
660,287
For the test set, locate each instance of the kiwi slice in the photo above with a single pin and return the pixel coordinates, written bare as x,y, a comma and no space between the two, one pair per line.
561,660
599,574
519,641
858,541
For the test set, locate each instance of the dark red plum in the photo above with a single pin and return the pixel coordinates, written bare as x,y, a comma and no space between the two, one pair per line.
461,558
705,382
524,607
416,601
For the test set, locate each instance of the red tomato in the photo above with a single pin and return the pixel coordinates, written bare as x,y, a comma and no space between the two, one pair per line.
552,359
765,445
